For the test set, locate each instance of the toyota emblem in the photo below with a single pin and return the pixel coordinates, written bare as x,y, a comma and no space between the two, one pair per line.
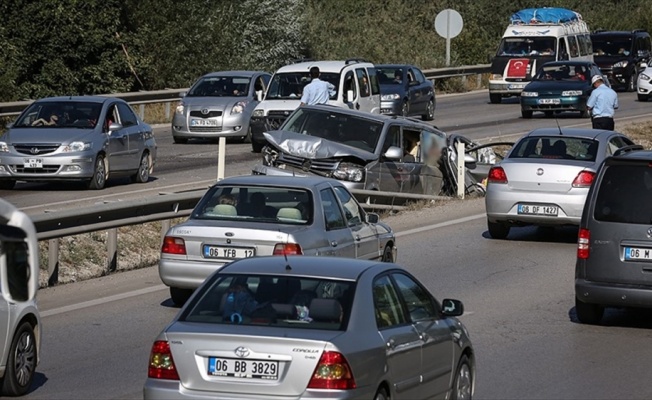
34,150
540,171
242,352
204,111
649,233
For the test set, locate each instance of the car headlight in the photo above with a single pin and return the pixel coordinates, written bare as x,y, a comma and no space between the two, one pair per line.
269,156
530,94
4,147
76,146
258,113
496,76
621,64
238,107
644,77
392,96
180,108
571,93
349,172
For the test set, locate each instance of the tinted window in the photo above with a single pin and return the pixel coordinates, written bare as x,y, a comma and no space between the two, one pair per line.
18,270
373,79
611,46
352,211
625,194
50,114
419,75
221,86
564,72
332,213
390,76
349,84
289,85
127,116
363,82
417,300
387,307
533,46
573,47
393,138
556,147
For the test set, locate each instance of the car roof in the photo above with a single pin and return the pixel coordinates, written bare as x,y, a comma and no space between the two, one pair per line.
396,66
87,99
233,73
324,66
553,63
570,132
306,266
301,182
619,33
374,117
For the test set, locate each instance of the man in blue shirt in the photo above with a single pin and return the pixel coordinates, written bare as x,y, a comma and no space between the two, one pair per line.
317,91
602,104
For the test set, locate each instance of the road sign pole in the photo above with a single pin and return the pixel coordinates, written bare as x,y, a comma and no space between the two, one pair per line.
448,38
221,158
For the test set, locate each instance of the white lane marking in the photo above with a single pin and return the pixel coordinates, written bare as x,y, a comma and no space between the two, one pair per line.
440,225
103,300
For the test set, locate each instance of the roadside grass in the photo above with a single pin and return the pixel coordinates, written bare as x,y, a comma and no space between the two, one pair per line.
640,133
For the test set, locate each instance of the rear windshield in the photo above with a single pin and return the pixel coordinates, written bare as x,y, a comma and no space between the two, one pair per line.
625,195
556,147
256,204
289,302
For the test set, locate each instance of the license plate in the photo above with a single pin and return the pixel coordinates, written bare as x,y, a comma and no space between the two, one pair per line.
204,122
33,163
516,86
538,210
638,253
228,252
248,369
549,101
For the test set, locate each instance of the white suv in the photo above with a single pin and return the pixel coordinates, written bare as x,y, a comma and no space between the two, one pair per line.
356,87
644,84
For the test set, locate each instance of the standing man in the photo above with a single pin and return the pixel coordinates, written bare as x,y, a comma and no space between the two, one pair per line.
317,91
602,104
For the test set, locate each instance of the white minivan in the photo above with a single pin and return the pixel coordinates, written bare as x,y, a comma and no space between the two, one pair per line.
356,87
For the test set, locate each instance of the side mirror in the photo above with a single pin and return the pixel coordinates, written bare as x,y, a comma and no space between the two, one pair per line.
349,96
19,256
183,94
452,308
470,162
373,218
115,127
393,153
259,95
642,65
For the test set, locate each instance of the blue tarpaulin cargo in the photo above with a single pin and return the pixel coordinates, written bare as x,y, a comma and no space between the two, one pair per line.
547,15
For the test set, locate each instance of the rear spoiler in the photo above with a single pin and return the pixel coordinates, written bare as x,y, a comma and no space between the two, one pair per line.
627,149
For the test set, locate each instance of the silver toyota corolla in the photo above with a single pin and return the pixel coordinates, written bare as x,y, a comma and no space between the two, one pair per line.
219,104
545,178
313,328
247,216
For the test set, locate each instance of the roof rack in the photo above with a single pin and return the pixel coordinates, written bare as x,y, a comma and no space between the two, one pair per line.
354,60
627,149
639,30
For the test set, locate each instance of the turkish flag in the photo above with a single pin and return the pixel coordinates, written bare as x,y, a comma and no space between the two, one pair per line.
517,68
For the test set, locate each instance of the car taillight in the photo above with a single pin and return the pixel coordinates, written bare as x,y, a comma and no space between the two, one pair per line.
332,372
173,245
497,175
583,240
161,364
287,249
584,179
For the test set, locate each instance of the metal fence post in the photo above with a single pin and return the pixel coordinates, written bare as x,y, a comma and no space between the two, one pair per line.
165,225
478,81
112,250
461,184
142,112
167,111
53,262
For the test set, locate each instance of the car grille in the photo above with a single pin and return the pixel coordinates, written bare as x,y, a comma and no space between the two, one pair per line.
322,166
47,169
36,149
211,114
275,118
199,129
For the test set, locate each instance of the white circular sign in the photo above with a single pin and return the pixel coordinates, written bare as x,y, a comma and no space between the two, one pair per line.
448,23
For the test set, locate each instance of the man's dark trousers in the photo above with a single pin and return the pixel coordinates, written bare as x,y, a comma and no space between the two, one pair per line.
606,123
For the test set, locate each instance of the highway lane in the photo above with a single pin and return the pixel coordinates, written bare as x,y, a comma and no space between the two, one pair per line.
518,294
194,165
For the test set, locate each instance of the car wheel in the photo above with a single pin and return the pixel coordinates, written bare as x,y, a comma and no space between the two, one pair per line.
142,175
631,84
98,180
179,140
21,364
498,230
495,98
247,138
257,147
180,296
388,254
588,313
642,97
463,382
526,114
548,114
7,184
430,111
381,394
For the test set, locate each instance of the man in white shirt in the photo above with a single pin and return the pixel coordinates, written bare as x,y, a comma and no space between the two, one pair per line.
317,91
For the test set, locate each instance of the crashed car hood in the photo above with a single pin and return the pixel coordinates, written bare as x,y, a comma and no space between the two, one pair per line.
313,147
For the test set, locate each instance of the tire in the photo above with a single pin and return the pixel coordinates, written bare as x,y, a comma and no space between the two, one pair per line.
548,114
430,111
405,109
98,180
142,175
630,84
381,394
179,140
247,138
498,230
388,255
588,313
584,113
180,296
642,97
526,114
257,147
495,98
21,364
7,184
463,383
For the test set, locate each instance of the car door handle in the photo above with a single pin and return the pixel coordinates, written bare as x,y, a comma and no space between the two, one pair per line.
334,243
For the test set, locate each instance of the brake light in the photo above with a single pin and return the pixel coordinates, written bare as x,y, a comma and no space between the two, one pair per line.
332,372
583,240
584,179
497,175
173,245
287,249
161,364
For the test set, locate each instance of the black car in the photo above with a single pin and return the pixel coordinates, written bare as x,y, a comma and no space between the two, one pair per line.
619,53
559,86
404,90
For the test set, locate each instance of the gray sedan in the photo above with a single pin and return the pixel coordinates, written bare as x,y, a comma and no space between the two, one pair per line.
249,216
219,104
78,138
313,328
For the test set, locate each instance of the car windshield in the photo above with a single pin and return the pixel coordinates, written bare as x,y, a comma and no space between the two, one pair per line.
272,205
563,72
220,86
614,47
625,194
64,114
556,147
279,301
390,75
527,46
289,85
335,126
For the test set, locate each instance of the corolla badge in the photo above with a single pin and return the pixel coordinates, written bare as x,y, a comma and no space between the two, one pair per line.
242,352
540,171
649,233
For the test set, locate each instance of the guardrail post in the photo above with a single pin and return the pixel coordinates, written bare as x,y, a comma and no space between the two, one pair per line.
167,111
142,112
112,250
461,184
165,225
53,262
464,82
478,81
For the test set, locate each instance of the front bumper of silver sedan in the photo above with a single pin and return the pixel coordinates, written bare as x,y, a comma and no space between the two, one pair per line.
224,125
65,167
260,169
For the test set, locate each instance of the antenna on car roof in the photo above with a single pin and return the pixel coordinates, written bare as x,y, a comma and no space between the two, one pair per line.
558,127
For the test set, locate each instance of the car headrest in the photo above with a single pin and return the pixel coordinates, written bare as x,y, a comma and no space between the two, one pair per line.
289,213
225,209
327,310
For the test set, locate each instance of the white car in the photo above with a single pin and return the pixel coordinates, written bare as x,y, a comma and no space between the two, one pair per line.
644,84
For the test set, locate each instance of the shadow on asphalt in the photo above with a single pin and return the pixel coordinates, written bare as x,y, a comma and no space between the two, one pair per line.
639,318
39,380
564,234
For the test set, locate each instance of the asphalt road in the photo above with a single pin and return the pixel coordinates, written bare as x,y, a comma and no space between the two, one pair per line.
194,165
518,294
